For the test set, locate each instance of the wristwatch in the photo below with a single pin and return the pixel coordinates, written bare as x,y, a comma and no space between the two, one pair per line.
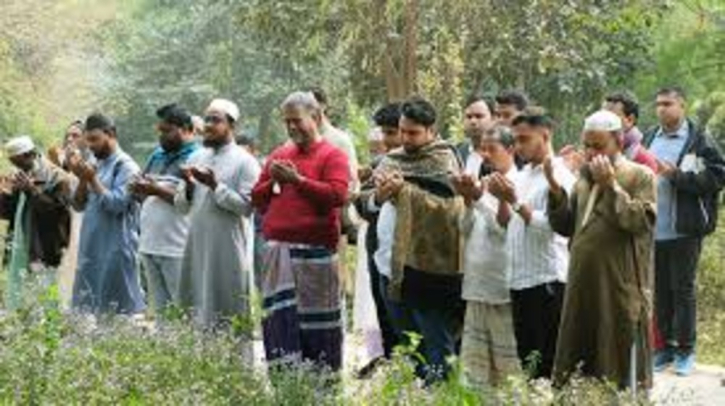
517,207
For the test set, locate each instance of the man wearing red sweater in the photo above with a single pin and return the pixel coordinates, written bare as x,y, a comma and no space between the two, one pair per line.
301,192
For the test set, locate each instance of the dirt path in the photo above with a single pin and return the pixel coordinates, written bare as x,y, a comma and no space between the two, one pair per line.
706,386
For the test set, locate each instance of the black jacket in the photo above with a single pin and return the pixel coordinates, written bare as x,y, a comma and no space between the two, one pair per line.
698,194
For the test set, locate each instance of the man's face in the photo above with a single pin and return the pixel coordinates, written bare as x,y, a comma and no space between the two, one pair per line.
302,127
670,109
505,114
100,143
414,135
600,143
217,128
24,162
618,109
74,138
531,141
391,137
495,154
476,119
170,136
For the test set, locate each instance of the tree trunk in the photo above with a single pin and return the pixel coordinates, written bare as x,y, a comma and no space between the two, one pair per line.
411,47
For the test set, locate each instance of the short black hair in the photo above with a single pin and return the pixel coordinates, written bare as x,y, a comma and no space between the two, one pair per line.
475,98
99,121
419,111
513,98
628,102
388,115
536,117
175,115
320,95
75,123
668,90
246,140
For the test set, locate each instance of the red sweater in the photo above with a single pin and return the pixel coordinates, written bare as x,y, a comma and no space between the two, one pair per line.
308,212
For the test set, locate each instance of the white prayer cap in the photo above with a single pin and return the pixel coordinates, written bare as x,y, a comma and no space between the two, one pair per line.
19,146
226,106
376,134
603,120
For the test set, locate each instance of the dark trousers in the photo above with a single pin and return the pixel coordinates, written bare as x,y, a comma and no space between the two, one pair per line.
439,325
536,312
675,294
390,335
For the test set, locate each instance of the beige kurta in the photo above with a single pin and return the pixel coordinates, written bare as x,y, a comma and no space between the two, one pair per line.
608,300
214,280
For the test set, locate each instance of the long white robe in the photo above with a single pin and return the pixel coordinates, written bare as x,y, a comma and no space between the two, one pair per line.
214,282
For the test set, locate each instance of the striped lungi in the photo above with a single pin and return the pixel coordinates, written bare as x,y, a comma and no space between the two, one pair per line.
302,305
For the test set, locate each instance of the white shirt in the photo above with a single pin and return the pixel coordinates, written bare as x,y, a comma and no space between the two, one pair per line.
537,255
163,228
473,163
485,257
386,236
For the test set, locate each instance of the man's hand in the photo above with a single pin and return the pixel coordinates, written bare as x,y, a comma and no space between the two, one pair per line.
665,169
502,188
144,187
284,172
24,183
602,171
387,186
85,171
205,176
573,159
6,184
554,185
468,186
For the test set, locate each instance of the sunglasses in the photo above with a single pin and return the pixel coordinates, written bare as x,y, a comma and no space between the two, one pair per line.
213,119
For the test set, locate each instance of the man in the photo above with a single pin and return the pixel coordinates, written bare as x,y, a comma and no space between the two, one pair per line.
387,118
538,258
35,201
216,191
106,280
477,118
626,107
610,217
163,228
302,292
419,239
344,142
690,176
488,350
509,105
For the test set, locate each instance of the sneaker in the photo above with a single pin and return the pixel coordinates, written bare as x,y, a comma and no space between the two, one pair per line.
663,359
684,364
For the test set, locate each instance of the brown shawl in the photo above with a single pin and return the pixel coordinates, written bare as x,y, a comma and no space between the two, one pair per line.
427,235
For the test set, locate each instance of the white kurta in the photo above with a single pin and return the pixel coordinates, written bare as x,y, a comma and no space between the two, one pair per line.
214,280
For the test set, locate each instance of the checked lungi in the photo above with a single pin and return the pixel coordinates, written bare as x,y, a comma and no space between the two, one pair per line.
302,305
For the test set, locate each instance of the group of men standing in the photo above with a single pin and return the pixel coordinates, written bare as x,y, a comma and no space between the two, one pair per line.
498,249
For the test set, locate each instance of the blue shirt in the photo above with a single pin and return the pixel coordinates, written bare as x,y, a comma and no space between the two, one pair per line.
668,148
107,279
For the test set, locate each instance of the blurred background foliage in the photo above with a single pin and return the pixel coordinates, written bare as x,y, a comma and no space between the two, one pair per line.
61,59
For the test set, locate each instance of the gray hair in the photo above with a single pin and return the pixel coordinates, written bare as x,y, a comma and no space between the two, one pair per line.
303,100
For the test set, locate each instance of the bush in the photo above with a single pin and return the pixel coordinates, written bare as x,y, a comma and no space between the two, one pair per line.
50,358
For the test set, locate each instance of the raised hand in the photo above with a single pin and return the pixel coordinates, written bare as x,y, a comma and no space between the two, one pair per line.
602,170
205,176
554,185
502,188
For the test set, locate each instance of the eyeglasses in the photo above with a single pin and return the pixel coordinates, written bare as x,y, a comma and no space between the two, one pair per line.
213,119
